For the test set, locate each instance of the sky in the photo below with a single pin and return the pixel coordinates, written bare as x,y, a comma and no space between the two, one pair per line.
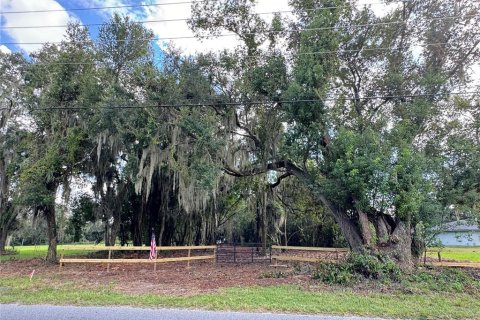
170,9
61,17
9,34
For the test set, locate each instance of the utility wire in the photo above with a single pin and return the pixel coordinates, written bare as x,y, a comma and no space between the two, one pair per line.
241,103
260,13
172,38
156,5
339,51
105,7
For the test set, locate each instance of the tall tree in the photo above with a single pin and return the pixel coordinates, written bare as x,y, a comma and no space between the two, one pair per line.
11,134
59,84
361,154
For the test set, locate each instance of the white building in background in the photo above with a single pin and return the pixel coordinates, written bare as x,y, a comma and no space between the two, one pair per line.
460,233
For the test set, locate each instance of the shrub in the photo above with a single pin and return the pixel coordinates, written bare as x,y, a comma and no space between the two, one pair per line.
442,279
333,273
357,267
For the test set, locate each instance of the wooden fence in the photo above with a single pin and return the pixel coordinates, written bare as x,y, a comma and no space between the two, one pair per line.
333,254
110,260
278,253
457,263
328,254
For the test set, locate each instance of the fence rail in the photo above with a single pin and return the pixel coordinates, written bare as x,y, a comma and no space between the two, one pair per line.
242,253
457,263
110,249
282,257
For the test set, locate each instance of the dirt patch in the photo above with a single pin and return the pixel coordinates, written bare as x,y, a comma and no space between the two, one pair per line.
169,279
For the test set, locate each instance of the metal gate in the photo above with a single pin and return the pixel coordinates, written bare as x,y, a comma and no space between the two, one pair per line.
243,253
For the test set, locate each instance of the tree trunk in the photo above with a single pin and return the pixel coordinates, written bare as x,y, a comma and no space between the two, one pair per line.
399,246
137,224
349,228
3,239
418,245
162,226
49,212
381,228
111,231
364,225
5,210
7,216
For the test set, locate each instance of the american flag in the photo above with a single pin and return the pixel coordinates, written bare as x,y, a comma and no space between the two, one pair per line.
153,248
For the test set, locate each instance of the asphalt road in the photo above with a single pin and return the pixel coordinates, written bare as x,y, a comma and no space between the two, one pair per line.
46,312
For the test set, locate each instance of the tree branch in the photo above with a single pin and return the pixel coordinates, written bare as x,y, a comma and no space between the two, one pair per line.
250,134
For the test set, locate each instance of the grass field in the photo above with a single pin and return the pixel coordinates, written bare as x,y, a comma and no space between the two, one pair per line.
458,253
30,252
273,298
39,251
444,293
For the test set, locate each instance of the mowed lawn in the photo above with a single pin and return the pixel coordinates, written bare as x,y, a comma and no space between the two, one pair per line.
457,253
40,251
277,298
413,301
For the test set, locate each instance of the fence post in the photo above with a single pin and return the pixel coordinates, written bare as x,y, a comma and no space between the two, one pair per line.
61,258
215,256
109,258
270,254
188,261
252,254
439,256
155,263
234,253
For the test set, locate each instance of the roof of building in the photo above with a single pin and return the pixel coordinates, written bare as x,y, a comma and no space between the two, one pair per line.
461,225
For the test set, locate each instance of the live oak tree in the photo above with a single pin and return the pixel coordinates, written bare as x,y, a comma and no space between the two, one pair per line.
59,80
11,134
357,109
363,152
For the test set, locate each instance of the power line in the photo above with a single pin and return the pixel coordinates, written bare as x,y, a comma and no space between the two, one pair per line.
242,103
185,37
260,13
340,51
156,5
105,7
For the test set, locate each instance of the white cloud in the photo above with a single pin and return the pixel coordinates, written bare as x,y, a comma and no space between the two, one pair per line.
131,11
4,49
173,29
34,19
379,8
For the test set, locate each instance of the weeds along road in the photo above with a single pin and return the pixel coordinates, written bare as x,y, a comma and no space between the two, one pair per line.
47,312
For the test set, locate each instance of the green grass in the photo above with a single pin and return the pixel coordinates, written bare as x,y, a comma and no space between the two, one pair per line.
458,253
437,294
39,251
275,298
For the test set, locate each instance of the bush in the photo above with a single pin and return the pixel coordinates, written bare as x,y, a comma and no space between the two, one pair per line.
333,273
357,267
442,279
374,267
